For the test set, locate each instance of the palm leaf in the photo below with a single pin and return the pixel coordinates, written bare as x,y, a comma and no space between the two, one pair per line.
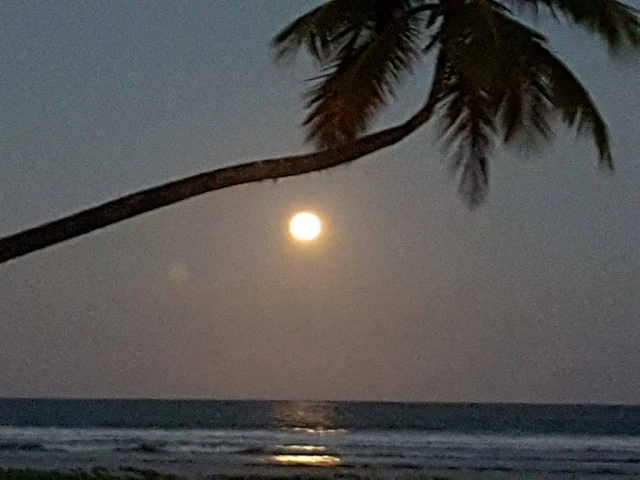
537,84
469,38
572,100
502,74
360,81
365,47
618,24
321,30
469,132
520,99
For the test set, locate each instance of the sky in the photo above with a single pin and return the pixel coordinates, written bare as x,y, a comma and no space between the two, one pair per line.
407,295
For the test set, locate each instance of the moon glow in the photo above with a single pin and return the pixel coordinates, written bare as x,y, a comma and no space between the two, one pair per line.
305,226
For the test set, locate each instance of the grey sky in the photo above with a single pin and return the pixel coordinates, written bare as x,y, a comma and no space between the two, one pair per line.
408,296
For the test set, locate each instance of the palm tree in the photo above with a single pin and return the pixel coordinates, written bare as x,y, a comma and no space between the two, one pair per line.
494,79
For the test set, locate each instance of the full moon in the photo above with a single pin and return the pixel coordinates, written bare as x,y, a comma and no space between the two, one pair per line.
305,226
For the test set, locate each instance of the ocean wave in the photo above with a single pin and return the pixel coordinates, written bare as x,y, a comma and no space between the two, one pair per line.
143,448
377,449
24,446
252,451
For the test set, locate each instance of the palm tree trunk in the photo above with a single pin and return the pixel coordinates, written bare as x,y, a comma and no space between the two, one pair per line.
129,206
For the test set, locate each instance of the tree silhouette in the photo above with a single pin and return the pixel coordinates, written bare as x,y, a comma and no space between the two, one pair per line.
494,79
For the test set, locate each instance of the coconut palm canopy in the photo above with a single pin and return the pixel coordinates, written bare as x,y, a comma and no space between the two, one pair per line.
494,79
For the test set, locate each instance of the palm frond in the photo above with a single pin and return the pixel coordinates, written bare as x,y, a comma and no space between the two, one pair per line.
494,74
617,23
520,99
526,112
501,74
537,85
469,41
321,30
572,100
469,132
362,78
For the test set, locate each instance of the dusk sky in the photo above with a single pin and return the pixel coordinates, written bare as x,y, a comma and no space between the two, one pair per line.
407,295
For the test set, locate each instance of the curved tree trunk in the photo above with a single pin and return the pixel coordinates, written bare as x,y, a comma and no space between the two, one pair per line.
94,218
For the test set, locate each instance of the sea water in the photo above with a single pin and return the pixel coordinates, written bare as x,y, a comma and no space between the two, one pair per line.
203,436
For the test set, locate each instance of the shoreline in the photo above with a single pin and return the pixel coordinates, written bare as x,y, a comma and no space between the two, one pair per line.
271,472
220,473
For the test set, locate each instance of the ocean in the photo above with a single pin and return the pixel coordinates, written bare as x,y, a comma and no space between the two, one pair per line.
202,437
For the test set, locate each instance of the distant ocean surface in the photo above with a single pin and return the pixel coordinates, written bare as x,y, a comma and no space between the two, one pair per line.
203,436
